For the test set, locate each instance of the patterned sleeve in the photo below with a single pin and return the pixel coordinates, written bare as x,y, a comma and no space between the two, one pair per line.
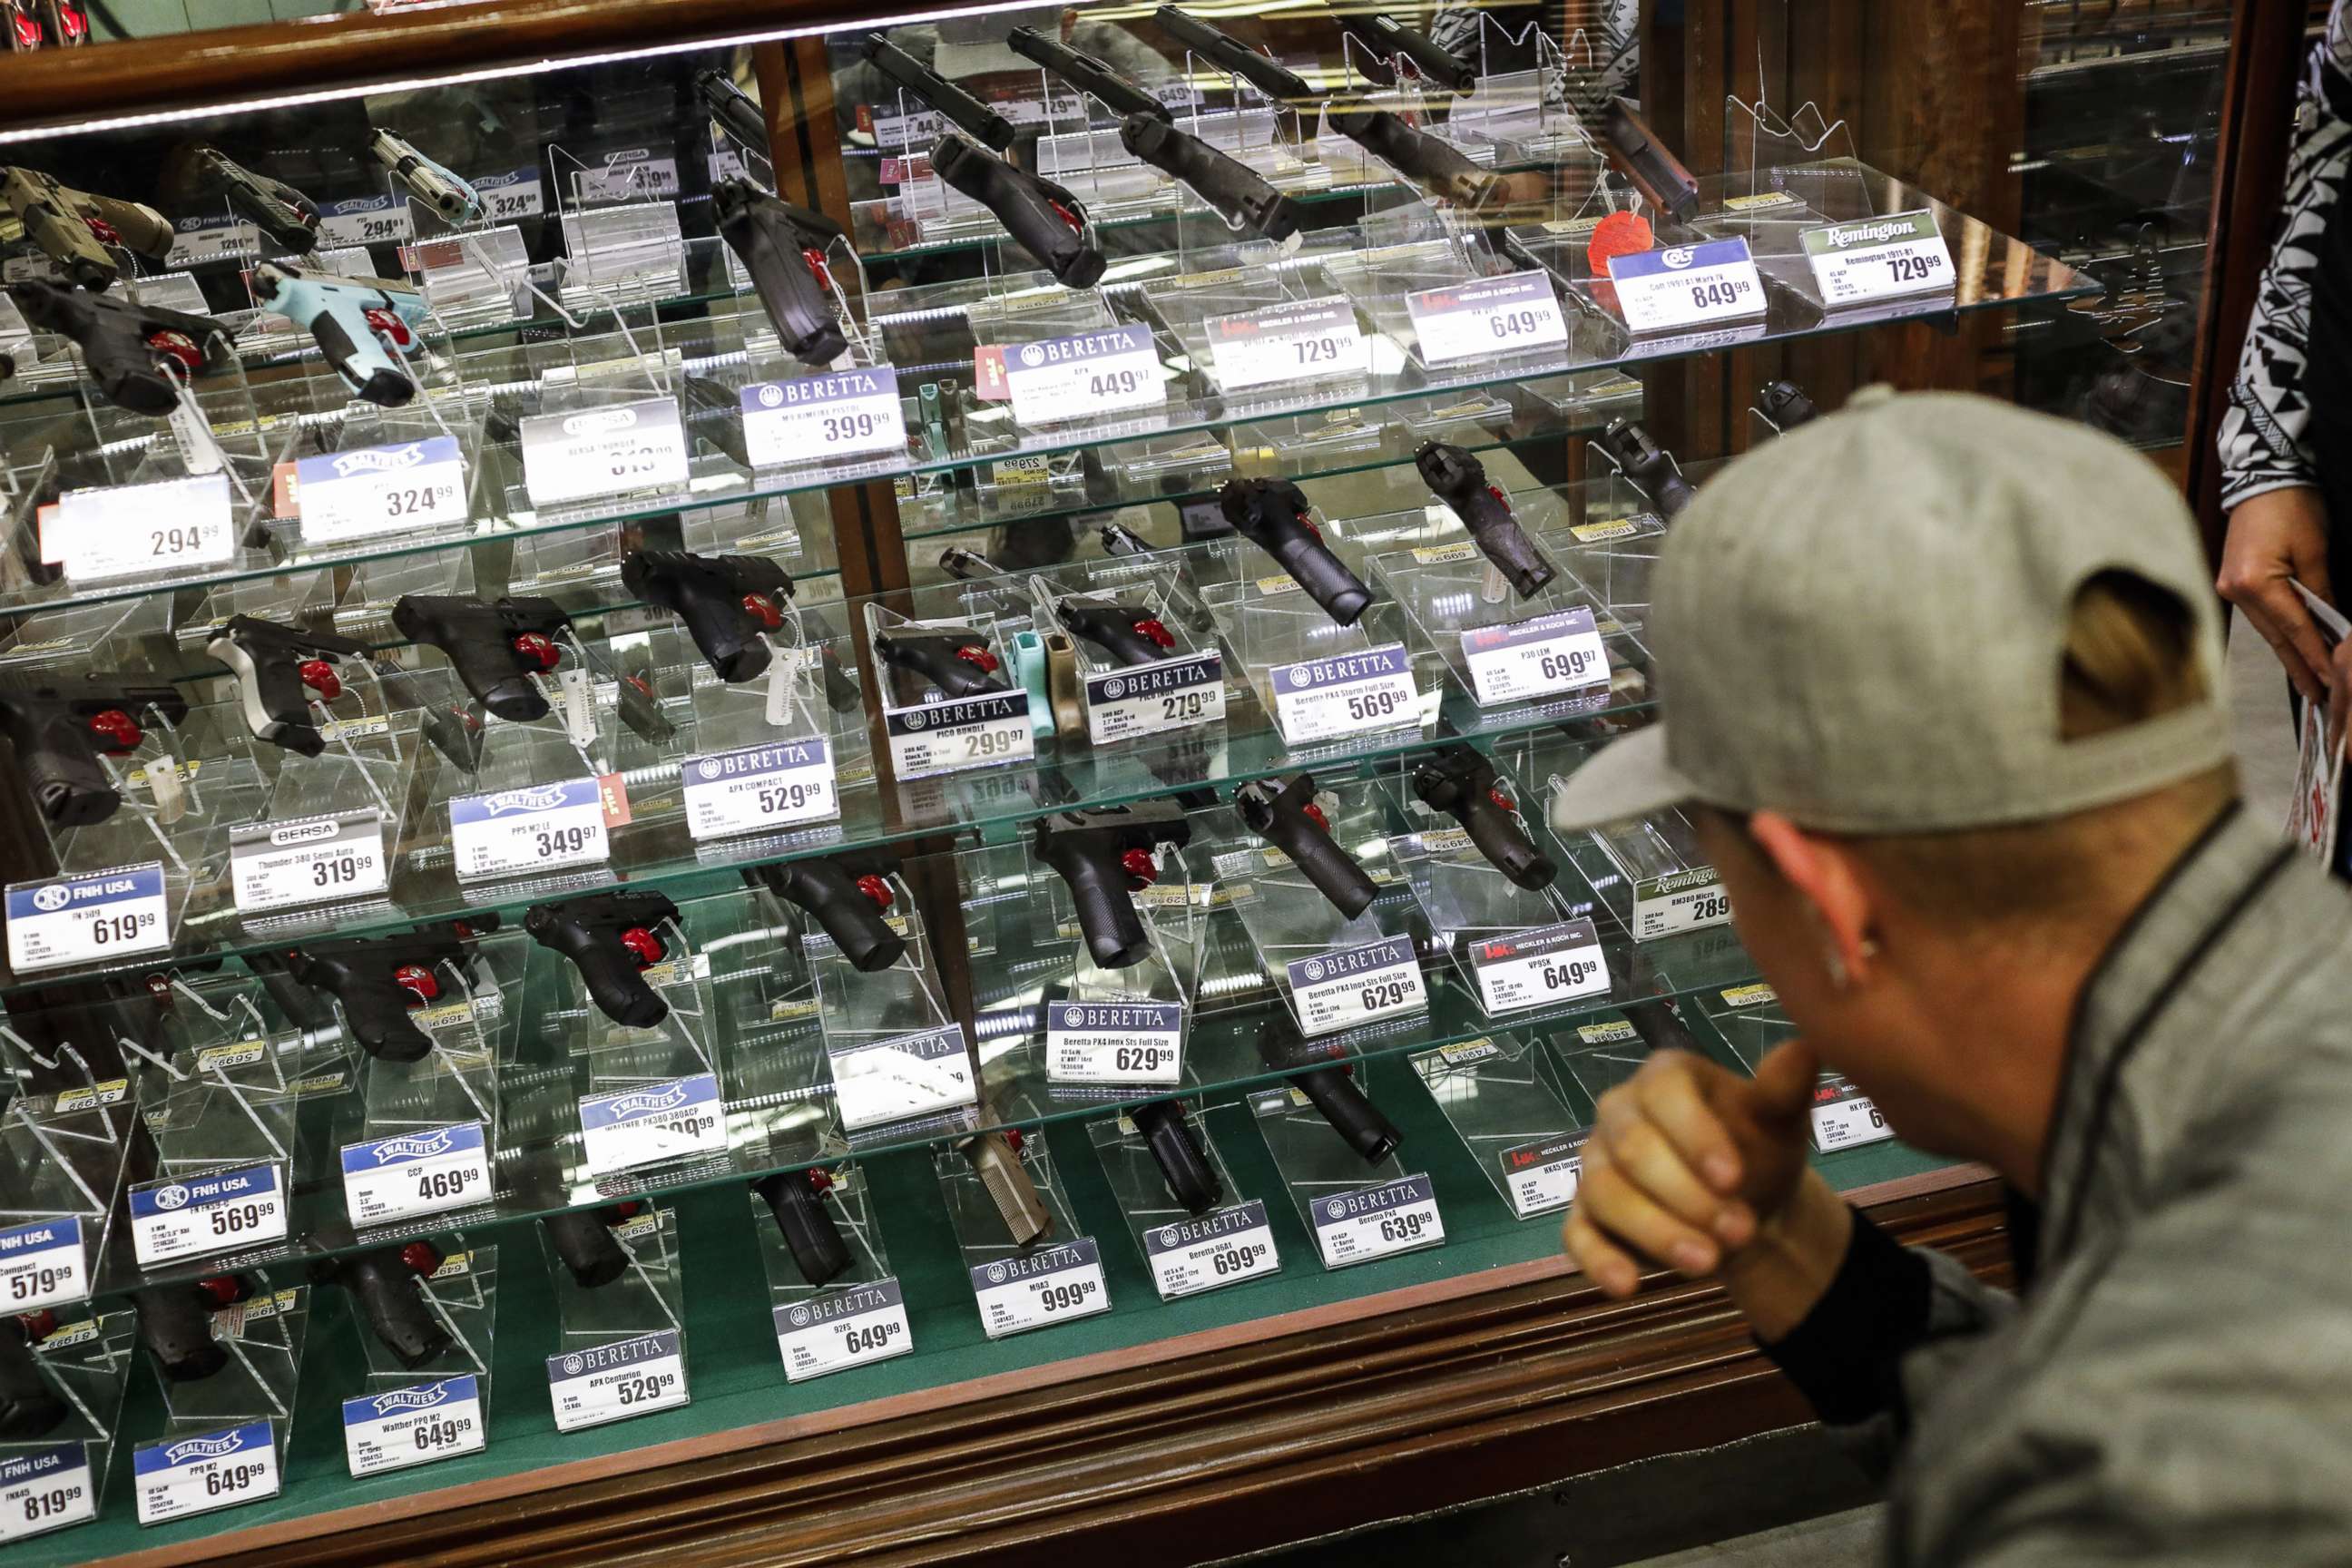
2262,436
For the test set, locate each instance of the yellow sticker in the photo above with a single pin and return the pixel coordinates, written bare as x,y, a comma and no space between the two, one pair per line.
1594,533
1439,555
1608,1032
1749,995
1759,202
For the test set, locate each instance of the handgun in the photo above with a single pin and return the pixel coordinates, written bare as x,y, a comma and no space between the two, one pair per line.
953,660
611,939
28,1405
944,97
967,565
996,1156
1441,170
737,112
1130,633
496,647
582,1239
378,979
1103,855
1641,158
1784,403
1332,1090
1230,55
784,247
287,216
796,1198
1649,466
124,343
433,183
175,1324
728,602
388,1285
73,227
1459,480
1275,515
346,316
1287,816
1091,75
1043,219
1248,205
59,728
1384,39
848,894
277,669
638,702
1192,1180
1117,539
1460,781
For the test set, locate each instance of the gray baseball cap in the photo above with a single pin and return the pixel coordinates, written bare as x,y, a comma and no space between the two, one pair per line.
1861,625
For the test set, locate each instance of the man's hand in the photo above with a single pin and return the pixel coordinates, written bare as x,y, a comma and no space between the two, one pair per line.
1705,1170
2274,536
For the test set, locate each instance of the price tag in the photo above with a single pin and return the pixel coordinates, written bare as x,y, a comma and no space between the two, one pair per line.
612,1382
415,1173
1395,1216
1685,286
841,1329
367,220
510,193
1552,653
209,237
1084,376
632,174
405,1427
816,418
1347,694
948,737
1148,698
1879,258
1542,1176
536,829
759,787
1306,341
381,489
1114,1042
42,1263
1052,1285
1844,1117
1225,1247
79,920
1685,900
44,1490
1536,968
198,1475
1356,986
651,1124
316,859
893,1080
224,1212
607,451
1509,315
125,531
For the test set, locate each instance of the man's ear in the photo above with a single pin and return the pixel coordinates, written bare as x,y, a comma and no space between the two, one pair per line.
1824,876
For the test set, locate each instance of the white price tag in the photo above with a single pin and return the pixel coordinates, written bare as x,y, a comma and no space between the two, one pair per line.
653,1124
612,1382
79,920
536,829
1495,316
613,450
628,175
318,859
1055,1284
1356,986
1685,286
1374,1221
210,238
983,731
1311,341
510,193
43,1489
1347,694
1844,1117
893,1080
1686,900
1539,658
42,1263
381,489
837,1330
128,530
1537,968
1148,698
197,1474
405,1427
1879,258
226,1211
415,1173
759,787
1225,1247
367,220
817,418
1085,376
1114,1042
1540,1177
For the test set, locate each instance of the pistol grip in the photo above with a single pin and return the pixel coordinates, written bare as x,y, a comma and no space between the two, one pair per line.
1192,1180
846,914
1323,575
1332,870
393,1300
1506,846
585,1246
1333,1092
60,760
808,1230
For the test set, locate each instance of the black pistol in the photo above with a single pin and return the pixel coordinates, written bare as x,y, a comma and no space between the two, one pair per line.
175,1324
1287,816
1333,1091
1459,480
1641,158
848,894
1784,403
1089,74
1649,466
1247,204
494,646
125,344
1130,633
1460,782
1104,855
582,1238
59,729
1385,38
1192,1180
378,979
277,669
728,602
28,1405
1275,515
1230,55
287,216
611,939
737,112
784,248
953,660
1436,167
944,97
1043,219
387,1283
796,1198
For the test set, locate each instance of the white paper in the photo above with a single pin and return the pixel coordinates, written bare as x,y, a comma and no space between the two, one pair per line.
126,531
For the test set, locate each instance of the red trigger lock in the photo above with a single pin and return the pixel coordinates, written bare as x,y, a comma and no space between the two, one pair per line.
390,325
762,610
1314,814
540,650
319,677
417,980
979,656
642,945
117,728
1499,798
876,888
177,346
1139,864
1157,633
815,260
